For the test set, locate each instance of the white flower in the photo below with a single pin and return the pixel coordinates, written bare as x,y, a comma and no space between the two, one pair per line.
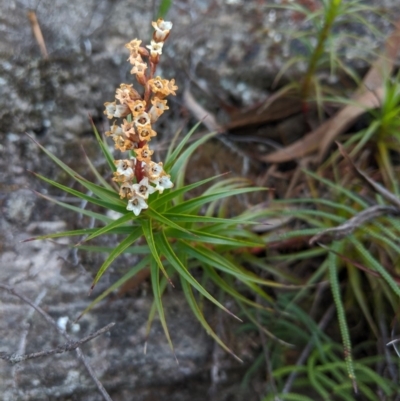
162,183
136,205
143,189
155,48
124,167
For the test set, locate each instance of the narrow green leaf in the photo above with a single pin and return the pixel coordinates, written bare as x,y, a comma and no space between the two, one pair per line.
101,192
91,199
128,241
99,177
164,220
116,223
170,161
148,233
166,249
376,265
61,164
79,210
220,262
262,327
194,218
164,7
104,148
338,187
197,312
229,289
194,204
178,169
133,250
83,231
153,309
131,273
199,236
155,284
359,293
169,196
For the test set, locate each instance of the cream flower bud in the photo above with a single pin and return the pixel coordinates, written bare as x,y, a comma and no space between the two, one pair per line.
122,110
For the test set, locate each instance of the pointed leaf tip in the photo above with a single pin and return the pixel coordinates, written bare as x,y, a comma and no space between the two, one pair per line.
91,289
28,240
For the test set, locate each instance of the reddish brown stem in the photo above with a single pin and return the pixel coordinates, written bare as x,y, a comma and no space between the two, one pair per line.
138,171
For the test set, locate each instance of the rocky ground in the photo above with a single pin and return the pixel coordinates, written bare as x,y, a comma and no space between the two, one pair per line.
227,54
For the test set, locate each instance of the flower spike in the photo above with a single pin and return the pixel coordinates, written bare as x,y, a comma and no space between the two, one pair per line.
139,177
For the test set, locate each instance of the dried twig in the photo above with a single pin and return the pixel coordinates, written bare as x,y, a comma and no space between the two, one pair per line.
37,33
49,320
69,346
345,229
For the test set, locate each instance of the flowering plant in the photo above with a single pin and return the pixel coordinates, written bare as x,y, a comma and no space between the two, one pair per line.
179,234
